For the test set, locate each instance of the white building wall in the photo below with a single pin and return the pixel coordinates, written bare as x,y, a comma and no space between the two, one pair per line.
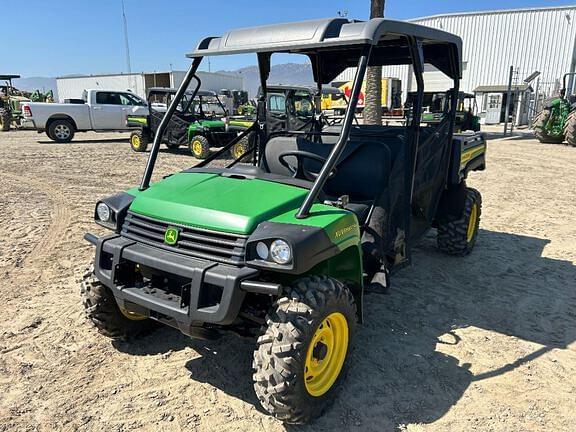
72,87
529,39
214,81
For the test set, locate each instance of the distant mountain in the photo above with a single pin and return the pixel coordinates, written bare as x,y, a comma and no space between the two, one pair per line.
36,83
287,73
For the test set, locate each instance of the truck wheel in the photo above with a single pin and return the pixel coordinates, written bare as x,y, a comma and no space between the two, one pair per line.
199,147
539,131
570,129
139,141
61,131
103,311
302,354
458,236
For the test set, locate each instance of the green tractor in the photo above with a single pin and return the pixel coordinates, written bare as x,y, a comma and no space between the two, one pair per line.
38,96
197,122
280,250
557,120
10,103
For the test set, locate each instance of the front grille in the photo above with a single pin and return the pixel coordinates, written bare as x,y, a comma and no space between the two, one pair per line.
196,242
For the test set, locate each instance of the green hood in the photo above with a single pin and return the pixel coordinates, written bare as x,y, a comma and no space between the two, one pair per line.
215,202
210,124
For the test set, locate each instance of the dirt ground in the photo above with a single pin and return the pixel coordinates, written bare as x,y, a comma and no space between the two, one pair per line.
484,343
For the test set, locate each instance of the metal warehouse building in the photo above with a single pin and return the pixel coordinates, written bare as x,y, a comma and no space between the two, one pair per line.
71,87
540,39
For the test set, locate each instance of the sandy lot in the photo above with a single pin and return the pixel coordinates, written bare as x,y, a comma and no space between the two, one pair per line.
482,343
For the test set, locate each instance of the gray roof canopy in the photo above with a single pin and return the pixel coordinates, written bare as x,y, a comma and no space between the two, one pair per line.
336,43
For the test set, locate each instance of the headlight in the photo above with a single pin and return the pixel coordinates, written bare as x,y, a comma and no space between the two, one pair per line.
103,212
262,250
280,252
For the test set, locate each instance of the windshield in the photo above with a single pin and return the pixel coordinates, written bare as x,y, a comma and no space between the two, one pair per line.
210,106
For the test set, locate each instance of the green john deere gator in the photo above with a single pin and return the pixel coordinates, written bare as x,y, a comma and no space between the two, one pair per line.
467,118
281,249
556,122
197,122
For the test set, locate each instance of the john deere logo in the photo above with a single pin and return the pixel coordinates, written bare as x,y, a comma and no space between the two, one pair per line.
171,236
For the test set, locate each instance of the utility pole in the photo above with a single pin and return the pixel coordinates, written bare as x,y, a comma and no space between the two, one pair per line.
508,100
126,43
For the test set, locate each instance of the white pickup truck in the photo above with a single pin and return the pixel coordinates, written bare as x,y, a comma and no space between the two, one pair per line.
98,110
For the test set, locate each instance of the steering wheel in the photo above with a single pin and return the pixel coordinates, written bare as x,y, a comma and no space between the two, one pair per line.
299,171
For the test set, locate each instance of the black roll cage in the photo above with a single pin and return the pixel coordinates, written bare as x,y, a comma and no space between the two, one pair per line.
416,51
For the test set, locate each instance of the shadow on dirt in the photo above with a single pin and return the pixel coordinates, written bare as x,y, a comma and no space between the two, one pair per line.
90,141
397,375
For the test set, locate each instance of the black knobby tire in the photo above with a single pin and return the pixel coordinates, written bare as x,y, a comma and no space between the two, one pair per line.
539,122
61,131
199,147
280,357
453,234
570,129
103,311
5,119
139,141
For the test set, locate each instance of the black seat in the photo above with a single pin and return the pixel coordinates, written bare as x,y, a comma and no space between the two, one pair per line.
362,171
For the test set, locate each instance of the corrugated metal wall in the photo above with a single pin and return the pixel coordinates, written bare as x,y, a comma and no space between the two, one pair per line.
528,39
214,81
73,87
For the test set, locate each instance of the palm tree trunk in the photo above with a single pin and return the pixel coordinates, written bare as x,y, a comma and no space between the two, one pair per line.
373,97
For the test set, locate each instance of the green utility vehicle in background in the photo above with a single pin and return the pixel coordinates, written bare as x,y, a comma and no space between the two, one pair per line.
237,102
289,107
197,122
10,103
556,122
281,249
435,107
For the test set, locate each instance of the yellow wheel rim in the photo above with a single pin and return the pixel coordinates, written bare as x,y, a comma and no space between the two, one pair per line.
238,151
197,147
132,315
472,223
135,141
326,354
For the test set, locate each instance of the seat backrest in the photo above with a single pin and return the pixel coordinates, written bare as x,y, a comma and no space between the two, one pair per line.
362,171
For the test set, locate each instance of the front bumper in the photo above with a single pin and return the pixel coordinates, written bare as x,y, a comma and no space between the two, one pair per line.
193,291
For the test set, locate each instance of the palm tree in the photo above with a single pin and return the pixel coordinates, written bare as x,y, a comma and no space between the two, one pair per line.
373,97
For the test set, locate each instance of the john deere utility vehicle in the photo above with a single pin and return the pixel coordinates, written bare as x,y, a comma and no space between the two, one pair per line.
436,105
10,100
556,121
196,122
281,249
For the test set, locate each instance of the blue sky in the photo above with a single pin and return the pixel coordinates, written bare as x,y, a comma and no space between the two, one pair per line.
58,37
